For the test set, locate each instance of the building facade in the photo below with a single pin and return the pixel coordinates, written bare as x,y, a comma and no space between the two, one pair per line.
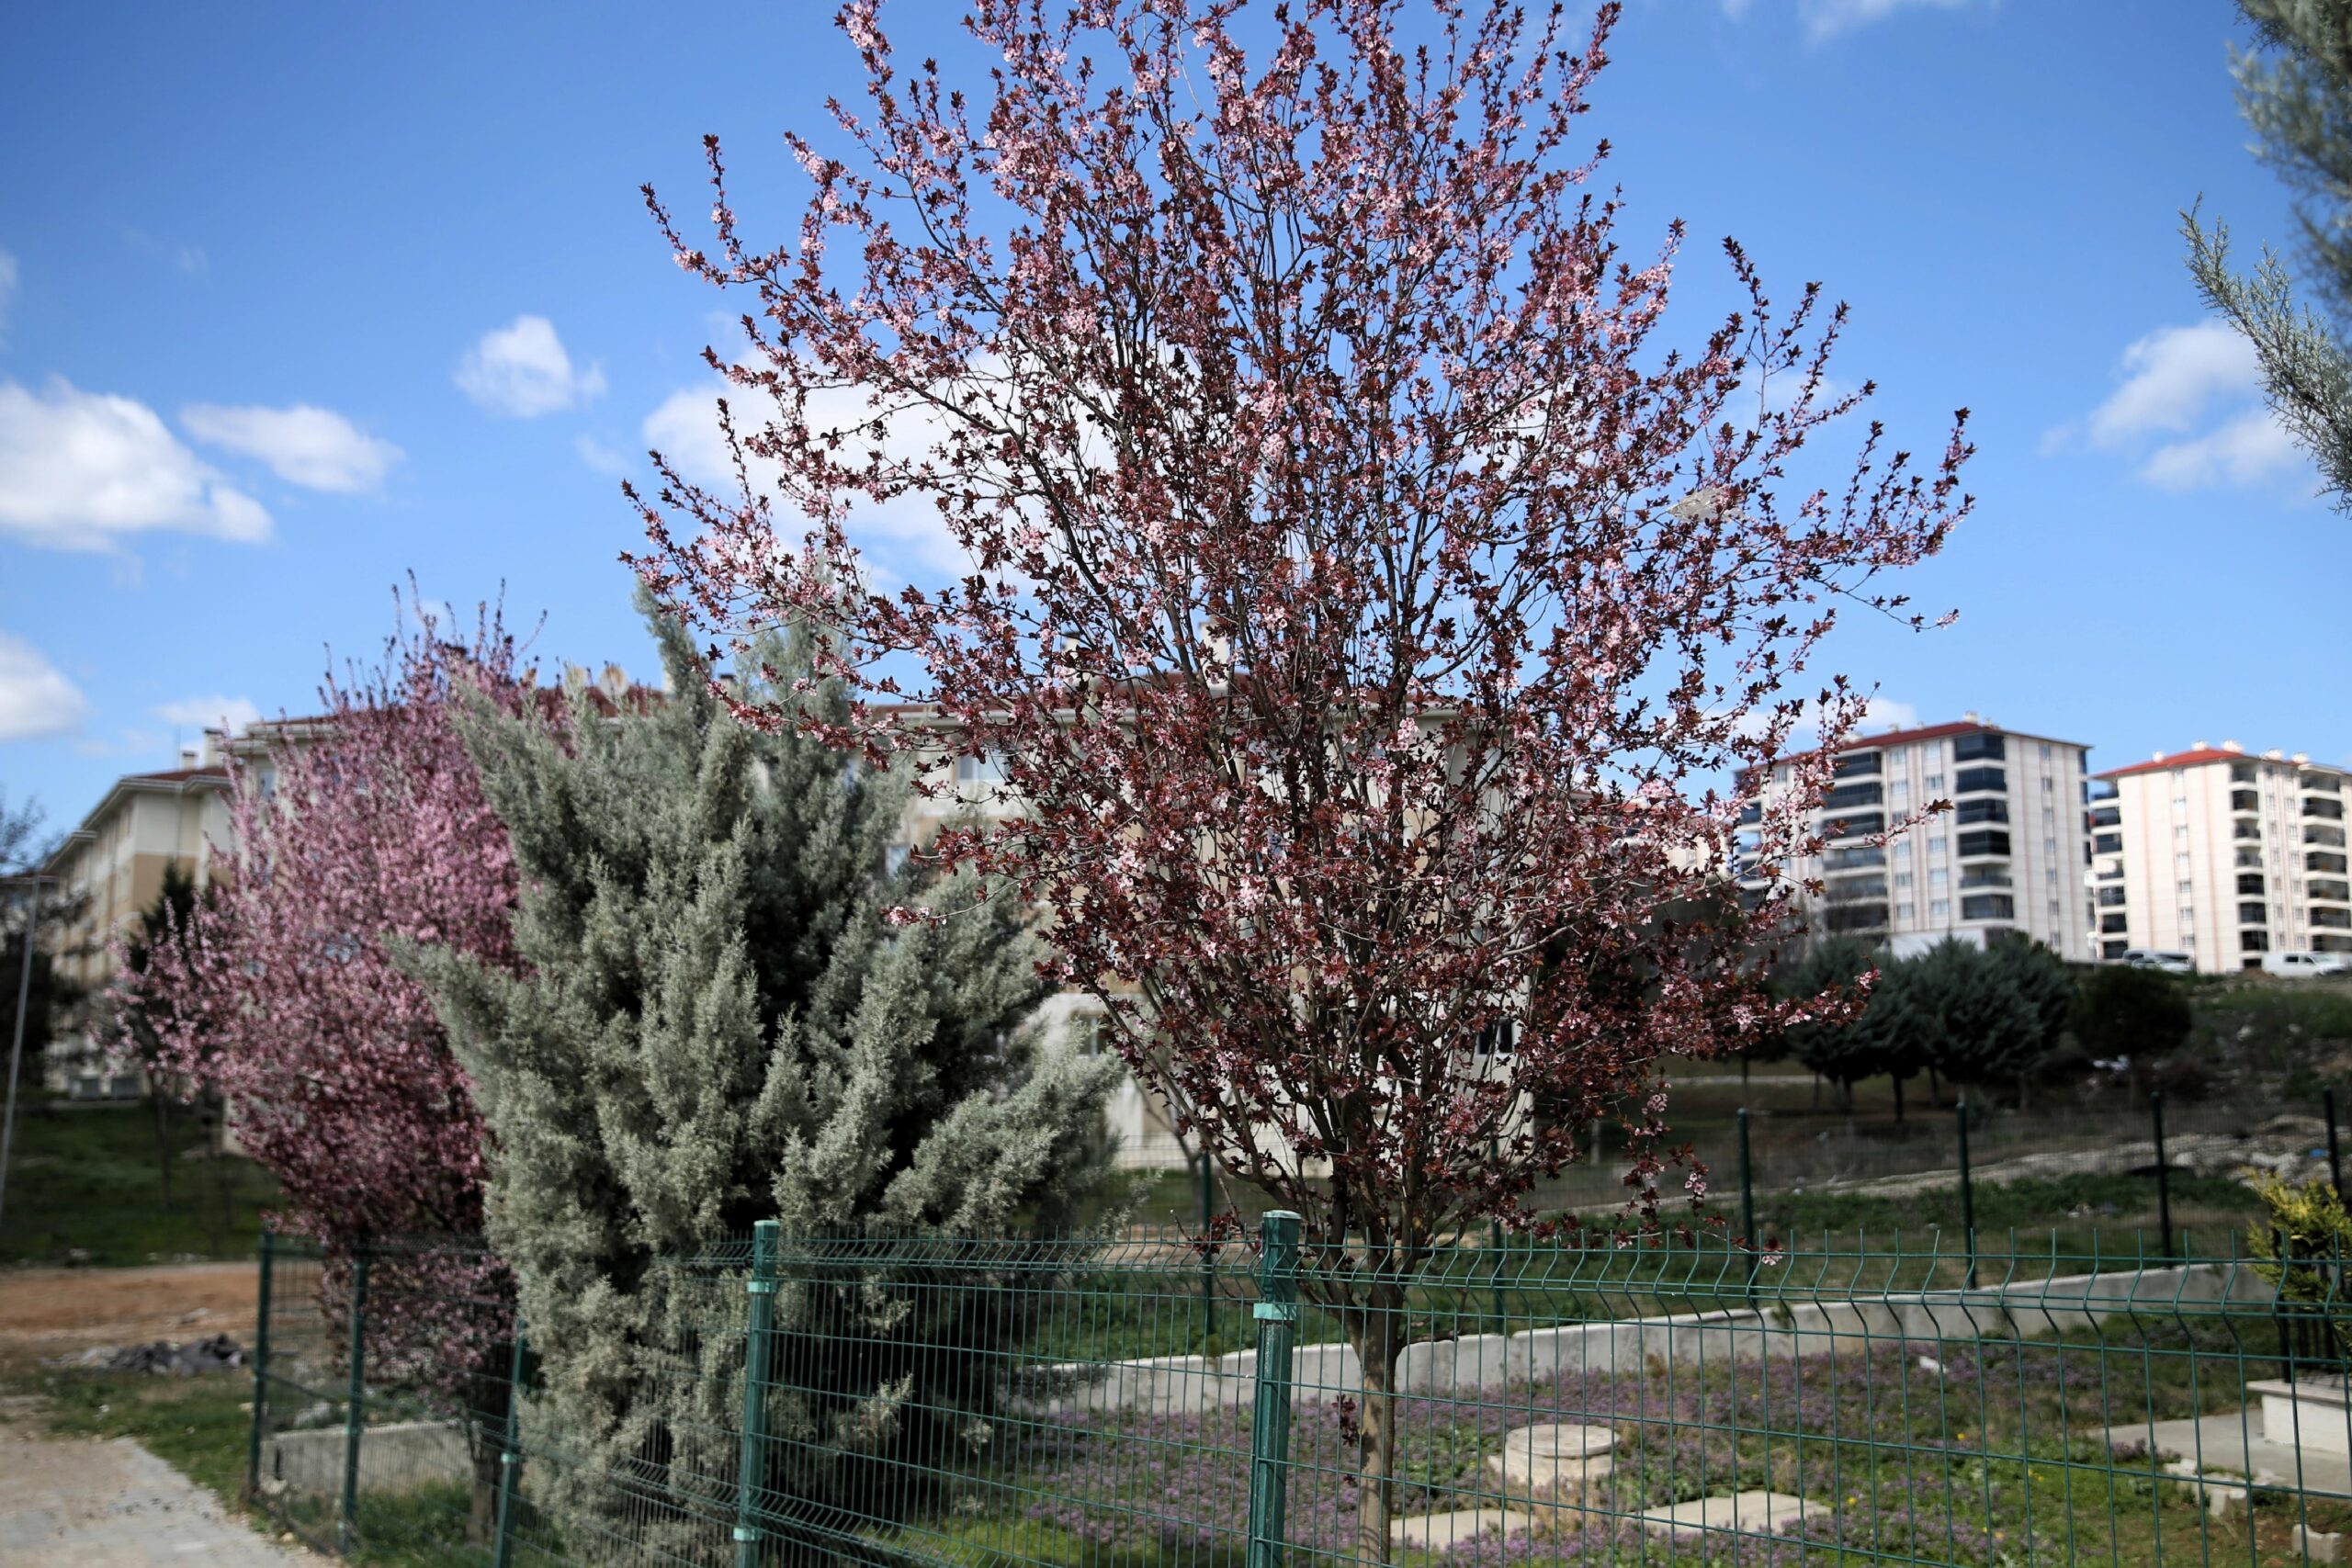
2221,855
2007,859
110,871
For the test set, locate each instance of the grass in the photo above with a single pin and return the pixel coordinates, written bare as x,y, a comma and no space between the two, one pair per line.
83,1187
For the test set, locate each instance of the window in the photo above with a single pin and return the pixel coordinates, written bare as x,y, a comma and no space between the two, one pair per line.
2179,806
1901,881
1979,747
1984,841
2049,784
2250,882
2112,949
986,769
2185,887
1972,781
1938,878
2180,834
2106,816
2050,847
1940,908
1988,906
2045,751
1856,765
2254,941
2240,772
1899,791
894,859
2253,915
2317,861
2239,800
1935,783
2333,892
2053,910
1902,848
2050,877
2108,844
1853,825
1868,792
2111,897
1936,846
1981,811
2186,915
2108,923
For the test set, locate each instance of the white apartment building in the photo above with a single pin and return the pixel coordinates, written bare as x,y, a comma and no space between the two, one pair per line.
2007,859
2221,855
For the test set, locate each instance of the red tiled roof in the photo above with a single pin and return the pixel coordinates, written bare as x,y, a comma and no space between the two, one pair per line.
2180,760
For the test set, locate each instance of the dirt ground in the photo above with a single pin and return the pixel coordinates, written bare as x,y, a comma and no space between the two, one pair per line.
51,1312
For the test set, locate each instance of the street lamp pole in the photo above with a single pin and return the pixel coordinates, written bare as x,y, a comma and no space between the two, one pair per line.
24,1005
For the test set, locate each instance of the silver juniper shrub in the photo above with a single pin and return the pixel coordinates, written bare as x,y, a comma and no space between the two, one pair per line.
715,1025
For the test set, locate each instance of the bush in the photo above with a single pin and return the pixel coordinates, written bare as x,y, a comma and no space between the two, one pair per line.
2142,1015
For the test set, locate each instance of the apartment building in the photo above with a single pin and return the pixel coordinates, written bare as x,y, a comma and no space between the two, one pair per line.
109,871
2221,855
2007,859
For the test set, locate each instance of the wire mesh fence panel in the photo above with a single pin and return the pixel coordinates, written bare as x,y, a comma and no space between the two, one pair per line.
1115,1403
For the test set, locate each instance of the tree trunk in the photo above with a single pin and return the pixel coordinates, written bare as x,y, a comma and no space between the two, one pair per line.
1935,1087
491,1398
1377,1336
1898,1100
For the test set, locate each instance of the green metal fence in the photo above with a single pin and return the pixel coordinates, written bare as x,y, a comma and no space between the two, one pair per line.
1138,1403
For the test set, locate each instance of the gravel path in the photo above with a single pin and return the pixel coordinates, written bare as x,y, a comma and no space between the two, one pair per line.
114,1505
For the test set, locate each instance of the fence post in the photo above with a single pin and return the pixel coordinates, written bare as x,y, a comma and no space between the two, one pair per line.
354,1415
510,1458
2335,1156
1277,1315
1208,1252
1747,1204
760,1287
261,1369
1495,1249
1967,1188
2163,1172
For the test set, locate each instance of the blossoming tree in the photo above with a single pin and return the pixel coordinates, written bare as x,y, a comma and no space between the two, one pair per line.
278,994
1369,612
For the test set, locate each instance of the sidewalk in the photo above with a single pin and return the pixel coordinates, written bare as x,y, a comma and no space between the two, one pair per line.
114,1505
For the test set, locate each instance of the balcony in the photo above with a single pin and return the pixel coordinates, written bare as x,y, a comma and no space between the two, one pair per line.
1985,876
2330,892
2245,830
2244,800
2096,790
1868,855
2333,920
1984,841
2319,784
1852,919
1988,906
2324,809
2110,925
2109,898
2107,817
2317,861
2253,915
1855,764
1980,748
1980,781
1870,888
2331,837
1854,825
2250,884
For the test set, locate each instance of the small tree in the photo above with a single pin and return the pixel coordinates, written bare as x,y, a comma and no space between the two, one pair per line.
170,918
280,995
2295,91
2121,1011
25,908
714,1025
1359,594
1988,1030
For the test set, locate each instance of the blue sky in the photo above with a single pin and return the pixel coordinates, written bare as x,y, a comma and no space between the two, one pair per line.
295,299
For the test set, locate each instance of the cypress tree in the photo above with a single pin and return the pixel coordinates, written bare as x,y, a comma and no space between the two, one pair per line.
715,1024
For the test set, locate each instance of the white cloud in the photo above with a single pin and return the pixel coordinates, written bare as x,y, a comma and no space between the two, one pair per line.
907,532
1826,18
36,699
2246,450
8,276
521,370
78,470
2202,385
307,446
2171,377
599,457
237,714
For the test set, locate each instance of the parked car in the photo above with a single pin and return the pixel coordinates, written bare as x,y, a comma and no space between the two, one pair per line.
2159,958
2297,965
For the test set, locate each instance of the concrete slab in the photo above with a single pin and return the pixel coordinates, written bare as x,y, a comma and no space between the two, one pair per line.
1749,1513
2232,1449
1439,1532
1542,1461
2307,1414
399,1457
